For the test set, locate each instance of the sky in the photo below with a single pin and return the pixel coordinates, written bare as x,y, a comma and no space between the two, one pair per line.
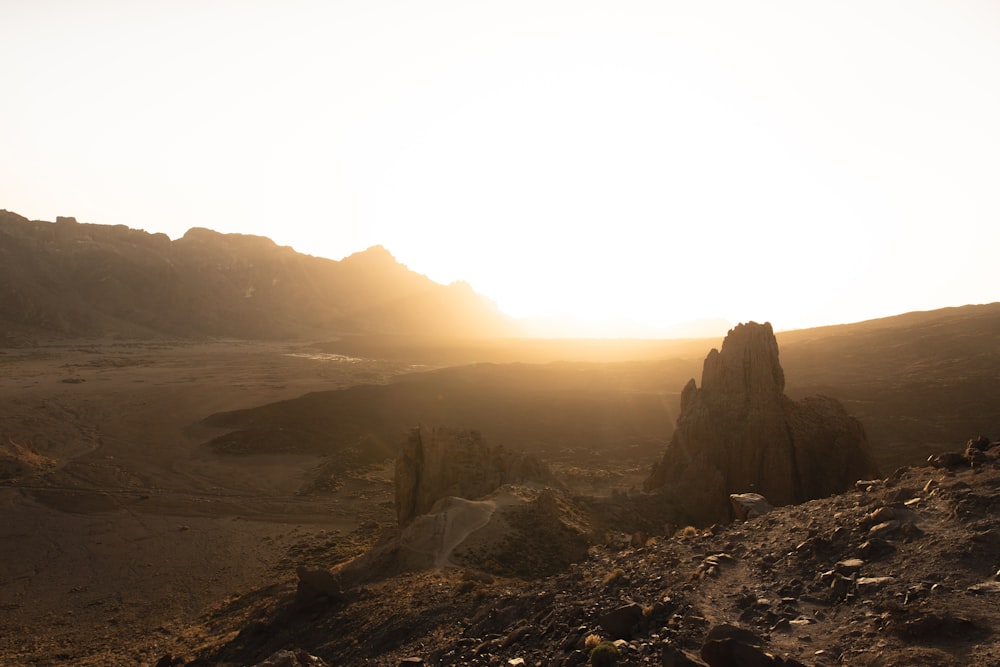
803,163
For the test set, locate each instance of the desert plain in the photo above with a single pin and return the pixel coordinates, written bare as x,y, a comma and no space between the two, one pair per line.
118,522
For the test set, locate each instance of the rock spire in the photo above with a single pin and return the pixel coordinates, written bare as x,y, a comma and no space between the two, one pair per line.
739,433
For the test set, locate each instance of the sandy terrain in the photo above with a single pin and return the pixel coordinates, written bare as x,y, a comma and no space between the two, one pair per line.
117,523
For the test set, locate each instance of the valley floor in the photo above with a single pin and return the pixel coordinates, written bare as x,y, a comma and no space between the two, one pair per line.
117,524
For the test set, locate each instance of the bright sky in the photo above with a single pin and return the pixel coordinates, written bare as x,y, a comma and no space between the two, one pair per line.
805,163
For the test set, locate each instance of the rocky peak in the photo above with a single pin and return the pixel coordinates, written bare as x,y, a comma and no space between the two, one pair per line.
739,433
747,368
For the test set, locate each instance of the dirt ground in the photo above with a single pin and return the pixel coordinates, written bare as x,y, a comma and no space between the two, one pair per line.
117,523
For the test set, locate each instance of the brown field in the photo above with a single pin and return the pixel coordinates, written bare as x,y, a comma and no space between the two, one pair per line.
117,521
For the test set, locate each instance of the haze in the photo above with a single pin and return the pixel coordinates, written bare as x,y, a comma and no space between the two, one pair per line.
663,162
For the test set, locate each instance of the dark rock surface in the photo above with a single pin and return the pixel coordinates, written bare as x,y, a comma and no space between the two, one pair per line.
440,462
796,586
739,433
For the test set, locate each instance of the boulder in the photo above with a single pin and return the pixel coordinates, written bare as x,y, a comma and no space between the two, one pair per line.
316,583
748,506
441,462
620,623
739,433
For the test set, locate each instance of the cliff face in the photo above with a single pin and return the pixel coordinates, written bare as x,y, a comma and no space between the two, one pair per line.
739,433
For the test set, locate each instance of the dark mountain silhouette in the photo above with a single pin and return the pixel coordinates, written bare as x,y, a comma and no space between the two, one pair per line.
72,279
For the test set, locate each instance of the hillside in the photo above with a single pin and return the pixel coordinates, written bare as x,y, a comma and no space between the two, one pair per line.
900,571
917,382
69,279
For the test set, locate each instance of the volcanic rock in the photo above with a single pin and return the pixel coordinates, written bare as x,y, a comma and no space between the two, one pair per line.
440,462
739,433
316,583
619,623
749,505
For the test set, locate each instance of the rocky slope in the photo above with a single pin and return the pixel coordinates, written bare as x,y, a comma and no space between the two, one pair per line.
897,571
72,279
739,433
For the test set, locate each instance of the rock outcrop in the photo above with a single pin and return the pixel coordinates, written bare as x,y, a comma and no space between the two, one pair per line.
739,433
440,462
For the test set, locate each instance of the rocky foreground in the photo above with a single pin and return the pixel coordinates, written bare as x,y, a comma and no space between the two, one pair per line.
899,571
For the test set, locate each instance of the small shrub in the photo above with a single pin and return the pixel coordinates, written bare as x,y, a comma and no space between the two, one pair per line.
689,531
604,654
614,576
591,642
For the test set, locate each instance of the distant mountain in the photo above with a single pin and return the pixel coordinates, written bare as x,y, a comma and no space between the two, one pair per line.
71,279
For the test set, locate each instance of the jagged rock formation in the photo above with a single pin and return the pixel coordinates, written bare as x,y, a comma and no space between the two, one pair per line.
739,433
440,462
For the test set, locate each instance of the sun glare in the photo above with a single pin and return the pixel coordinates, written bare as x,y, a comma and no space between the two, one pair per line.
652,161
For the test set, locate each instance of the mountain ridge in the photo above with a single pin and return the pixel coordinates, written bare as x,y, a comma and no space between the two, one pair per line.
81,279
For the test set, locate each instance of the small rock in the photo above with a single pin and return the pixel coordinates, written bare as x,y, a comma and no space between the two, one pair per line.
726,631
871,584
621,622
980,442
987,587
296,658
875,548
947,460
675,657
317,583
849,566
